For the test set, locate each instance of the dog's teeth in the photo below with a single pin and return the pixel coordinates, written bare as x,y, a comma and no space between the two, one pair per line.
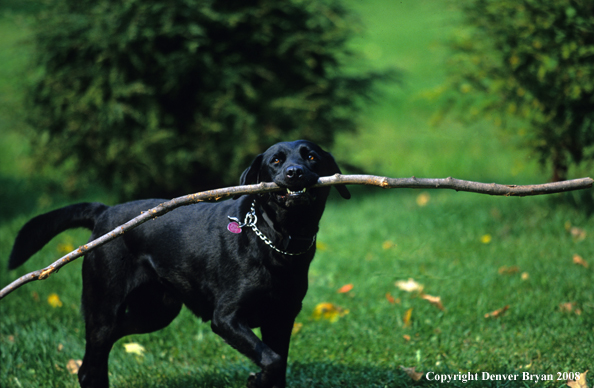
296,192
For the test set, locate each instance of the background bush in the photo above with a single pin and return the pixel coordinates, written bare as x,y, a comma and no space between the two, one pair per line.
168,97
531,61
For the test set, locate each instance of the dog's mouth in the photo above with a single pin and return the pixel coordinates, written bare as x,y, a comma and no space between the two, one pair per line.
290,197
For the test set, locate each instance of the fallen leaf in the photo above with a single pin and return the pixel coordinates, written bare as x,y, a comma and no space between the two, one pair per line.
486,238
391,299
321,246
388,245
566,307
409,285
579,383
407,317
296,328
577,233
416,376
497,313
406,337
569,307
505,270
134,348
60,347
525,275
423,199
54,300
344,289
329,312
434,300
65,248
73,366
577,259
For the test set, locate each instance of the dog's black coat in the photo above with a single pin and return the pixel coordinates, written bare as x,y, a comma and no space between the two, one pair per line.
138,283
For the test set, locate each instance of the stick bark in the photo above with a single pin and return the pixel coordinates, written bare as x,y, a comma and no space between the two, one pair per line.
264,187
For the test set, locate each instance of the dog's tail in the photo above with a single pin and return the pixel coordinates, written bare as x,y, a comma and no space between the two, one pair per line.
41,229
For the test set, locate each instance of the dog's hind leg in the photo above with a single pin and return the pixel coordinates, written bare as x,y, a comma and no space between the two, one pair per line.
119,299
104,292
100,338
146,309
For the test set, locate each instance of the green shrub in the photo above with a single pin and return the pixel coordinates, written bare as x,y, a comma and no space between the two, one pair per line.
167,97
529,65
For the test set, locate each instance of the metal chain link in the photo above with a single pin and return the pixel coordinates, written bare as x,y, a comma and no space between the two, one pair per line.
250,220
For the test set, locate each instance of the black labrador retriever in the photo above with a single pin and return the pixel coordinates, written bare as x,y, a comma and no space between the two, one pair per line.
240,263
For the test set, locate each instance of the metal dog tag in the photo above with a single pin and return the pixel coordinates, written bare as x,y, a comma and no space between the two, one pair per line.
234,227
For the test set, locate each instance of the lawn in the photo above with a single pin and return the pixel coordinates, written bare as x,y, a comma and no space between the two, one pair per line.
477,253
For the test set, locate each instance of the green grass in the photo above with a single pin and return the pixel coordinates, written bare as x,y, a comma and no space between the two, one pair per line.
439,245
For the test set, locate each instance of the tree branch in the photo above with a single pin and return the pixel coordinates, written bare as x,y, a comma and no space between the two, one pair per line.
264,187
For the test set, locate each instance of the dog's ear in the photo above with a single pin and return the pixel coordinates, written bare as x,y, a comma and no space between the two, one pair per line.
250,175
330,168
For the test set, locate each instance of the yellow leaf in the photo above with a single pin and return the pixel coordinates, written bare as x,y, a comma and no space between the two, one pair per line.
486,238
409,285
497,313
423,199
321,246
525,276
329,311
577,233
65,248
54,300
407,317
416,376
134,348
577,259
344,289
388,245
434,300
505,270
580,382
406,337
296,328
73,366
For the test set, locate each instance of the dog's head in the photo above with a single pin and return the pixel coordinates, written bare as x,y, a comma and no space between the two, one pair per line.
294,166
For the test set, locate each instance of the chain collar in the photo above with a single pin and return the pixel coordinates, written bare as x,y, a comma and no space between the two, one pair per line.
250,220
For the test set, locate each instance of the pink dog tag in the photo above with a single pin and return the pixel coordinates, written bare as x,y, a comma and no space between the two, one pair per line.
233,227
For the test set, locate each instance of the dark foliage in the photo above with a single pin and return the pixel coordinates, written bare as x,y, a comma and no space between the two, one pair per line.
168,97
531,61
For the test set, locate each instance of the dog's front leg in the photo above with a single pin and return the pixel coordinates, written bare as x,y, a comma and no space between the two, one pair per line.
276,334
227,323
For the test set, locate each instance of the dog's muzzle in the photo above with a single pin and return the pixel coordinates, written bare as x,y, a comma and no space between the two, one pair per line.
295,197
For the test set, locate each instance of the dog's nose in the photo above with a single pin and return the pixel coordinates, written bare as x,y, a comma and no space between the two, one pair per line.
294,172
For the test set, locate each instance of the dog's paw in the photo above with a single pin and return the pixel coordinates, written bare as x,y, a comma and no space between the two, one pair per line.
254,381
257,381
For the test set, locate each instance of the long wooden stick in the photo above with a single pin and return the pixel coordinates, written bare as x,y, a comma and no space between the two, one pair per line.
264,187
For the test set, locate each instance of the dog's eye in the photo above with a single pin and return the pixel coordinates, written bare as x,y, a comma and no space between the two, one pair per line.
311,158
276,161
